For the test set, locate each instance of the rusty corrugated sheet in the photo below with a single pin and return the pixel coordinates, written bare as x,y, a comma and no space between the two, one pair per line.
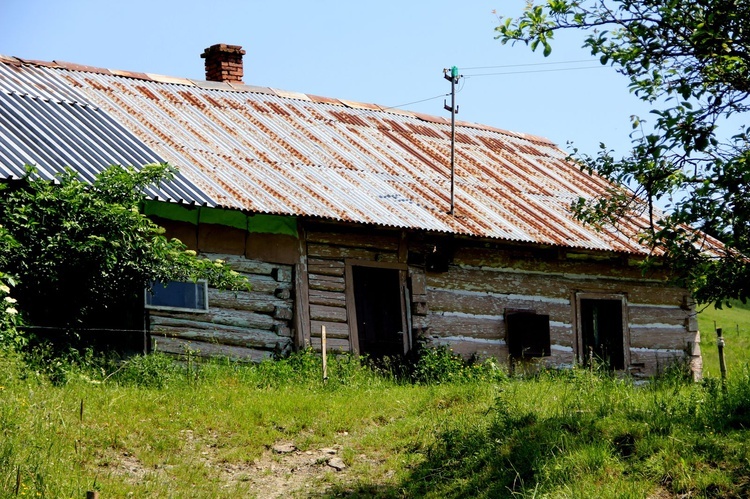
270,151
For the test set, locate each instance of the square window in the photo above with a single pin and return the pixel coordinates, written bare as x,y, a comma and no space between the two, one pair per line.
527,334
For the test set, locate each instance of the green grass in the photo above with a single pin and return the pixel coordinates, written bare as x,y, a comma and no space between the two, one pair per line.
735,324
152,428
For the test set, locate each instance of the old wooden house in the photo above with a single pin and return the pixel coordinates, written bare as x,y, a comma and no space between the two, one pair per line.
341,215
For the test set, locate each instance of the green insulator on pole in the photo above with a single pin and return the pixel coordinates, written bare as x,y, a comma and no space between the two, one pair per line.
454,72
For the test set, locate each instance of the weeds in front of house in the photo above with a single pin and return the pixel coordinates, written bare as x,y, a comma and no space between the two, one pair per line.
150,426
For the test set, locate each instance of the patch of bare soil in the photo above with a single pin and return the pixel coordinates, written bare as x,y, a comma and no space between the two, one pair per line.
281,471
285,470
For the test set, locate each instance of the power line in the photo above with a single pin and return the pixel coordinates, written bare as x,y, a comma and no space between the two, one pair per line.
410,103
533,71
528,64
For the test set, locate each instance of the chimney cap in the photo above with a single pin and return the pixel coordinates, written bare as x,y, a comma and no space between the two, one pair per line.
223,48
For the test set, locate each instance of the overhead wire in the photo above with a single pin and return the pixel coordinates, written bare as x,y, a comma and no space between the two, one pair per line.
526,64
463,83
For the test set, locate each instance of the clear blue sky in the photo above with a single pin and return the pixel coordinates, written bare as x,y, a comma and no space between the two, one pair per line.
386,52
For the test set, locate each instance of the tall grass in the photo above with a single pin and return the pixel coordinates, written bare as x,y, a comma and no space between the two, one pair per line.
150,427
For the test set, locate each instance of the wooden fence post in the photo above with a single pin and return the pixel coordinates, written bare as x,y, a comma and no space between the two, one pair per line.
323,350
722,361
92,494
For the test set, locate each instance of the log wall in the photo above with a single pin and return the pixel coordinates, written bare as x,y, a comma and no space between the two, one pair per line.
328,248
460,290
242,325
466,304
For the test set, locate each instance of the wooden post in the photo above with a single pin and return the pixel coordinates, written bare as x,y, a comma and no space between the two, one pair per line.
722,361
323,351
92,494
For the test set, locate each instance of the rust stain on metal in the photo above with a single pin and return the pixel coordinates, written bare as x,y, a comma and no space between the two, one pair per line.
72,81
407,146
424,130
148,93
283,152
348,117
276,108
192,99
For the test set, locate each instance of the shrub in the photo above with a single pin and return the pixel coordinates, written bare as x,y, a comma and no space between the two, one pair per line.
435,365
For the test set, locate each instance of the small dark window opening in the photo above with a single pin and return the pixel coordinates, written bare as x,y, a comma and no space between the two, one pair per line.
380,325
178,296
527,335
601,331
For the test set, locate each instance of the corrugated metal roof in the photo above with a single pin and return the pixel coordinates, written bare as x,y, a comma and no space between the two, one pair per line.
271,151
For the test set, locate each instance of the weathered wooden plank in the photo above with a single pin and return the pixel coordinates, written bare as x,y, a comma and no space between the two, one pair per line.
335,345
207,320
420,321
380,242
247,266
329,298
333,329
560,357
555,287
180,347
657,315
651,362
250,338
282,274
283,330
283,313
301,306
581,266
325,269
420,308
418,281
499,282
320,262
471,349
446,300
342,252
656,295
326,283
479,327
266,284
442,325
327,314
669,338
243,300
562,335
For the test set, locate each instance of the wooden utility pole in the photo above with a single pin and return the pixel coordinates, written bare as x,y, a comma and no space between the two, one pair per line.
453,78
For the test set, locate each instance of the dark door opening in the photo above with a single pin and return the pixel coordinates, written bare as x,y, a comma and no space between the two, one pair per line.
601,331
380,318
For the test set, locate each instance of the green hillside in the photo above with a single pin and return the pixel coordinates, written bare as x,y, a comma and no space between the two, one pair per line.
735,324
152,428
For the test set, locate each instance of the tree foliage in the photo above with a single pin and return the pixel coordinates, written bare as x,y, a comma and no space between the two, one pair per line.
81,253
691,62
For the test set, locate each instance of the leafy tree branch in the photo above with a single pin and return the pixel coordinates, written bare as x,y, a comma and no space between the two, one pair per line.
691,62
80,253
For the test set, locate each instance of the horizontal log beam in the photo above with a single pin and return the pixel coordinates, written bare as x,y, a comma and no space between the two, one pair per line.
180,347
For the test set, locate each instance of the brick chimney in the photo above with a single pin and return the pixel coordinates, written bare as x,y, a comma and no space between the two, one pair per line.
224,63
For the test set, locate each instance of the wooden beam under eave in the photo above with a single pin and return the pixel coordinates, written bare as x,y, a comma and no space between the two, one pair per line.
301,293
